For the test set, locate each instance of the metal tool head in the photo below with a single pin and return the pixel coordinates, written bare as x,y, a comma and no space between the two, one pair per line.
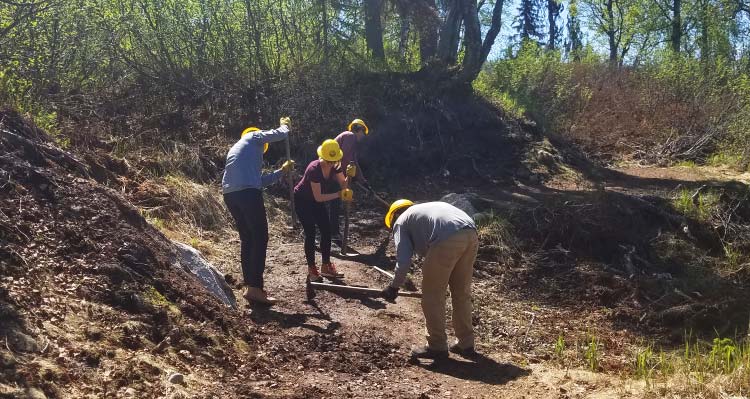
309,290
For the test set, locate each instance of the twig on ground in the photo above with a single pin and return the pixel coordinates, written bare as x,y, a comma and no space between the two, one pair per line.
531,323
12,354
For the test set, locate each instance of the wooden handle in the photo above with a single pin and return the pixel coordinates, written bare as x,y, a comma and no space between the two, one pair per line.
359,290
290,180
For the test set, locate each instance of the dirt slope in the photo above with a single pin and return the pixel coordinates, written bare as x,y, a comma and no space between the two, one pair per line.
92,305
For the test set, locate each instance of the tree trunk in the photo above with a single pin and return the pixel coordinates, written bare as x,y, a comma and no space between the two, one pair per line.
403,12
703,41
553,11
611,34
324,30
427,21
476,50
450,32
676,26
374,28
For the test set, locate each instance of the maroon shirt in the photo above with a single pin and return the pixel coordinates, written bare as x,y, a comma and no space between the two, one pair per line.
314,174
348,143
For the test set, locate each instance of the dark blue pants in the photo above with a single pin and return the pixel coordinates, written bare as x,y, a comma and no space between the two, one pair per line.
334,209
313,214
249,213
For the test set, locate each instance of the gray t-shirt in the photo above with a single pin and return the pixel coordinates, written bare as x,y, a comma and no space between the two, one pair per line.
245,161
422,226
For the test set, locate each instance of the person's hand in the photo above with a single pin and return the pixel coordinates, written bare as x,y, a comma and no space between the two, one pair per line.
351,170
288,166
285,121
347,195
389,294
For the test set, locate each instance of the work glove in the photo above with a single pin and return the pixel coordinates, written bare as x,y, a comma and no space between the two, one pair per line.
285,121
351,170
288,166
389,294
347,195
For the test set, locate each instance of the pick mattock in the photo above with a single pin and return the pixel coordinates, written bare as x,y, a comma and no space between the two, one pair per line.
375,195
345,237
312,287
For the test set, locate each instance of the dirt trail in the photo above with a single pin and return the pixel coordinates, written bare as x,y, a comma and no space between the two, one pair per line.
338,331
339,335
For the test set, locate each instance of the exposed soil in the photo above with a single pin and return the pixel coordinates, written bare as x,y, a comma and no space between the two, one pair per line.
92,304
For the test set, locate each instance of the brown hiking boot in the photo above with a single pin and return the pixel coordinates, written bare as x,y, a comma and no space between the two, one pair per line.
258,296
329,270
313,274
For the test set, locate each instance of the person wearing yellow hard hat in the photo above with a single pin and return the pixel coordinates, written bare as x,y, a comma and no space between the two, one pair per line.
348,141
309,203
447,239
242,185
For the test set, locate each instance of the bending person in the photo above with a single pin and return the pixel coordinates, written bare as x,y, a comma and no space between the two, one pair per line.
309,203
447,237
242,186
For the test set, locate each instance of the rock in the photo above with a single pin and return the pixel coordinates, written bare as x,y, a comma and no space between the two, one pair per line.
176,378
460,201
34,393
545,157
7,361
130,392
20,342
191,260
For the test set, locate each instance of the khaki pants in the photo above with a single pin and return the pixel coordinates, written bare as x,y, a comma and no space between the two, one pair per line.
449,263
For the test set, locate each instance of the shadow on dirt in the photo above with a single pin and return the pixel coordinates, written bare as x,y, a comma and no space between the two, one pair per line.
480,368
264,315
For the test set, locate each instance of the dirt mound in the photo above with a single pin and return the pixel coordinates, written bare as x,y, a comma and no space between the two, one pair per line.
88,285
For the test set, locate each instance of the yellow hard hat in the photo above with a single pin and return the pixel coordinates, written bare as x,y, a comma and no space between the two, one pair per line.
330,151
400,204
358,122
254,129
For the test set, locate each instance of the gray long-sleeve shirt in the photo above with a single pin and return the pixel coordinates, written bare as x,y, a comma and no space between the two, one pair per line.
422,226
245,161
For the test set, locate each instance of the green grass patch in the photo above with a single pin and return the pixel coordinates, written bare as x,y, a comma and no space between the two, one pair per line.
686,164
155,298
700,207
723,159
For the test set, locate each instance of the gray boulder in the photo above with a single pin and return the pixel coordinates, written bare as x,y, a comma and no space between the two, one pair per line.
191,260
460,201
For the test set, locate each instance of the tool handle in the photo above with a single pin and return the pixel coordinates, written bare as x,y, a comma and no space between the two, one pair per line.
377,197
358,290
290,180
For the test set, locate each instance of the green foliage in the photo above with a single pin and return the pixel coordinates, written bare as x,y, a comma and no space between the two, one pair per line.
645,362
702,207
686,164
724,355
559,347
538,84
592,353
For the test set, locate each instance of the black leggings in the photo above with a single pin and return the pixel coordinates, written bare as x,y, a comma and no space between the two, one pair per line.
311,214
249,213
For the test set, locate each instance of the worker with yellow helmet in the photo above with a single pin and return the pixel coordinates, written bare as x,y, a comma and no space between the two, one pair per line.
242,185
348,142
447,238
309,203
